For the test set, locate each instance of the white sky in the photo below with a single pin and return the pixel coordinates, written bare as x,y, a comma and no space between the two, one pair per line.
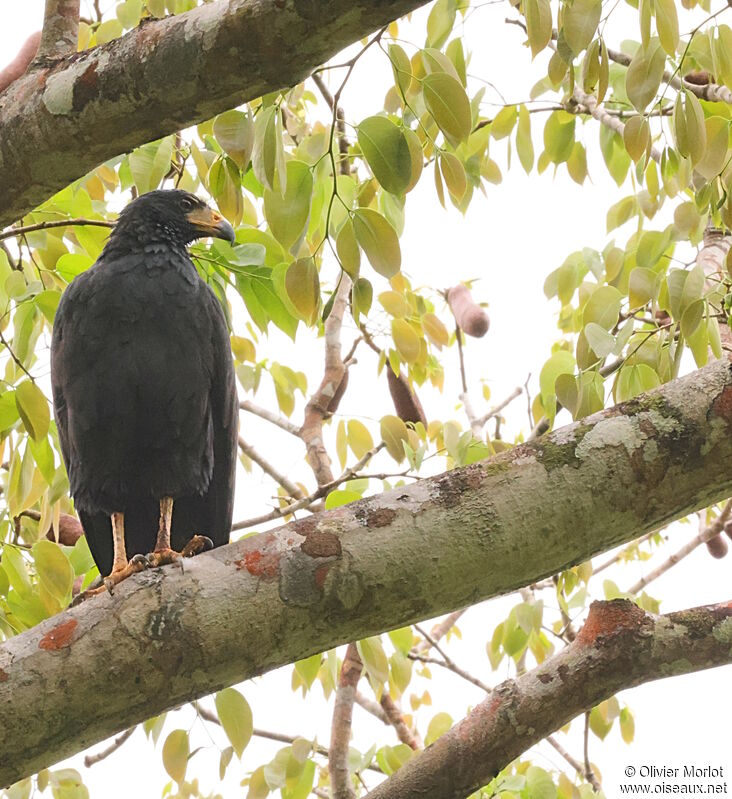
511,240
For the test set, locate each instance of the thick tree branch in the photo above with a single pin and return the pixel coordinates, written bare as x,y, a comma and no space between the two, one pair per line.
58,123
620,646
340,731
168,637
60,33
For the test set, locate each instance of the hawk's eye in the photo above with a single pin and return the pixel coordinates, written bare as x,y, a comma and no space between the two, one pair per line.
186,204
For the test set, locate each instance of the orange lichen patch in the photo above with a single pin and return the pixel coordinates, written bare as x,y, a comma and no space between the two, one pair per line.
723,404
606,618
4,676
59,637
260,564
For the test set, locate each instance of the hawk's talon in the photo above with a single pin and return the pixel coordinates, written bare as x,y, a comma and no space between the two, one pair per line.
197,544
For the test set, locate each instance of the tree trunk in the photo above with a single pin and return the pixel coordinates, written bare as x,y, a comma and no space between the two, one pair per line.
386,561
58,123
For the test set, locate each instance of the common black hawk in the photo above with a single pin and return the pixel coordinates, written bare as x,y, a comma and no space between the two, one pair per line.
144,391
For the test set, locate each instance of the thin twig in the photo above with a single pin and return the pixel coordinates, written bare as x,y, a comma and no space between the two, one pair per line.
21,231
713,530
576,765
321,491
270,416
294,491
589,773
447,661
496,409
91,760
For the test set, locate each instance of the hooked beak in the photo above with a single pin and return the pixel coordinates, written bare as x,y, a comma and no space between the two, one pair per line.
210,223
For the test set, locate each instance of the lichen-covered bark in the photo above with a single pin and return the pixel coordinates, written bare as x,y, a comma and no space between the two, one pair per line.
620,646
383,562
59,122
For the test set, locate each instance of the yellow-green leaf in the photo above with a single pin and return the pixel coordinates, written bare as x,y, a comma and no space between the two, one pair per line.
579,23
438,726
265,151
454,174
637,137
303,288
33,409
717,150
378,240
644,74
435,330
401,66
348,251
393,433
54,569
234,131
416,157
362,295
667,23
175,754
395,304
524,144
235,716
538,24
225,186
448,103
405,340
359,438
387,153
287,213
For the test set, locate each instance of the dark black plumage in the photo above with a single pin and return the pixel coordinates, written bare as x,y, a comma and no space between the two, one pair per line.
143,383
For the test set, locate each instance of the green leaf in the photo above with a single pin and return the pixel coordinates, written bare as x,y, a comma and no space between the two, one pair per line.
362,296
175,754
667,23
440,22
712,163
15,568
559,136
224,183
287,214
265,153
406,340
303,288
637,137
33,409
359,438
374,659
454,174
234,131
348,251
633,380
644,74
601,342
308,668
235,716
53,569
439,725
387,153
446,100
378,240
70,265
8,410
524,144
150,163
540,784
603,307
539,24
394,433
561,362
401,66
579,23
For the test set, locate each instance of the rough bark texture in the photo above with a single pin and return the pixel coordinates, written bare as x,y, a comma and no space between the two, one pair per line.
59,122
620,646
60,29
411,553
